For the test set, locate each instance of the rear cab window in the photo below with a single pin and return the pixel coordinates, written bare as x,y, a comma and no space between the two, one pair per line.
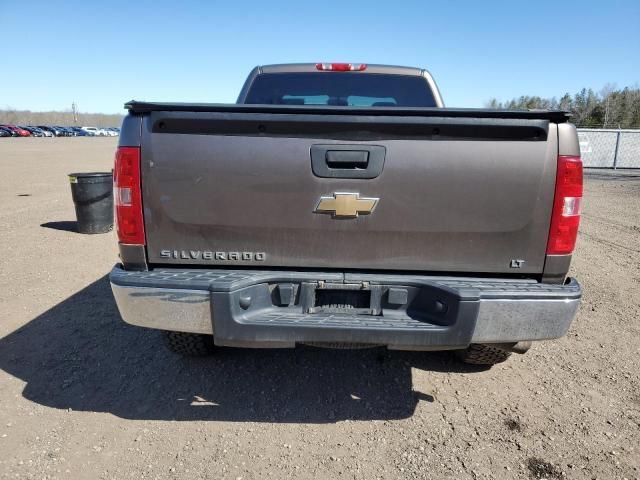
349,89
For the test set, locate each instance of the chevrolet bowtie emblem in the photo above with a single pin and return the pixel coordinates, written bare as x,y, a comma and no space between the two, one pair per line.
346,205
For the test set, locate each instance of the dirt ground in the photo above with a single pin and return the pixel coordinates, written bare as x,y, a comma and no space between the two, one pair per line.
83,395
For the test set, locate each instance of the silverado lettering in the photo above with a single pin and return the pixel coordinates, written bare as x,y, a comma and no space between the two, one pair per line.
213,255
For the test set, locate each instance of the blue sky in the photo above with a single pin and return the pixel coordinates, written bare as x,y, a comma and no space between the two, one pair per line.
101,54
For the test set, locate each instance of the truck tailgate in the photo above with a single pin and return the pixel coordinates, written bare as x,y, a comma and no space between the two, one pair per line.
454,194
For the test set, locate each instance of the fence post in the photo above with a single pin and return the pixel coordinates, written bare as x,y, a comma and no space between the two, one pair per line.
615,154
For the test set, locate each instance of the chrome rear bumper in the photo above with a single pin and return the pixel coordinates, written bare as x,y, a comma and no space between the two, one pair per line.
271,309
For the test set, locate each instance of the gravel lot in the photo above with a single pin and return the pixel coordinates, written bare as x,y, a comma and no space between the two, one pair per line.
83,395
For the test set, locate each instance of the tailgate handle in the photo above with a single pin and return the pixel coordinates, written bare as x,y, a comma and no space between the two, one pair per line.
347,161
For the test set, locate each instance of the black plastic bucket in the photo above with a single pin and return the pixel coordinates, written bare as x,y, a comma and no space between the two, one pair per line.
93,198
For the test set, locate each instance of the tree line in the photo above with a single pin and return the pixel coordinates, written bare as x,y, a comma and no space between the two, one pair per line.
610,108
27,117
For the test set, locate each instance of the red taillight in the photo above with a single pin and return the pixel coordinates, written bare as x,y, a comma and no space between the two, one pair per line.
127,196
565,217
341,67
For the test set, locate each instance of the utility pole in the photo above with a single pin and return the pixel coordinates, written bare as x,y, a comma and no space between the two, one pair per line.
74,109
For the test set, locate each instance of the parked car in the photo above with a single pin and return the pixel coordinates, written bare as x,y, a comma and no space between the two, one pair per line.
5,133
53,131
114,131
65,131
35,132
47,130
9,131
20,131
45,133
79,132
92,131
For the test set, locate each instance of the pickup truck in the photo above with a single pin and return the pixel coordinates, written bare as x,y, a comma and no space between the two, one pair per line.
342,205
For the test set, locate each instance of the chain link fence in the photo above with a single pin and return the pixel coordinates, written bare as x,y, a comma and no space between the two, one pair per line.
604,148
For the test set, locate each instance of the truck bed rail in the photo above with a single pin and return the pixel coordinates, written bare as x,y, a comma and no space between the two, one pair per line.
556,116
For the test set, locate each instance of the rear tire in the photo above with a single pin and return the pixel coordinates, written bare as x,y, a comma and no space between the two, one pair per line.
189,344
478,354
